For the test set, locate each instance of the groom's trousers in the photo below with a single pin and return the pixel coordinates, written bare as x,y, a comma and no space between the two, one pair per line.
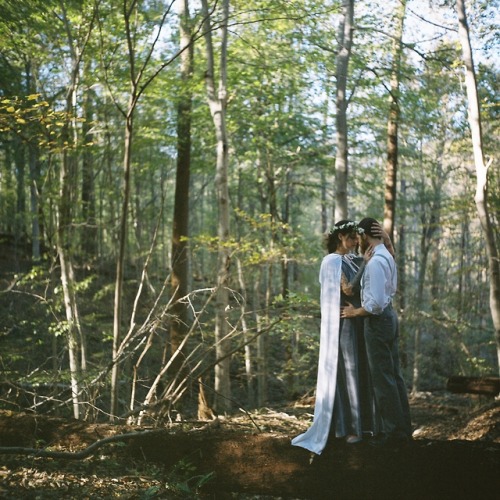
381,339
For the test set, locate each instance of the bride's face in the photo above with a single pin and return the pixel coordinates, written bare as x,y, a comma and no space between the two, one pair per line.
348,242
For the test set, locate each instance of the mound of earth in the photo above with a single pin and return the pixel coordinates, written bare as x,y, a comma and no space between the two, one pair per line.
455,454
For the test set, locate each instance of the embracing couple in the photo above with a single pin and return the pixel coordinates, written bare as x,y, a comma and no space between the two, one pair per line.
360,390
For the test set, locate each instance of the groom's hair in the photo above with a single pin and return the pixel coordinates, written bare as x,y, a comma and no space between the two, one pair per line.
366,224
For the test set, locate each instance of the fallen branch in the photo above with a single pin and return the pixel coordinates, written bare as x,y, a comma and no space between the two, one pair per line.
489,386
77,455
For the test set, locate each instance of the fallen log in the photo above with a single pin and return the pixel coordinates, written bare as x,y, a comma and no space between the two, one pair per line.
266,464
488,386
254,463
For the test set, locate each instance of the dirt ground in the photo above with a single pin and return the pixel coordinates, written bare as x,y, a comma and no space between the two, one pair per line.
455,454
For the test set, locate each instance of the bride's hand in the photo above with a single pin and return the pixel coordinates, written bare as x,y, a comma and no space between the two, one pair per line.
378,232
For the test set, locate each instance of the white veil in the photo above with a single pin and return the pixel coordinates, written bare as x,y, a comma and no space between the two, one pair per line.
315,438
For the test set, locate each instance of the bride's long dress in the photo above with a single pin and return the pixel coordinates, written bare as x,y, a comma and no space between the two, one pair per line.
341,396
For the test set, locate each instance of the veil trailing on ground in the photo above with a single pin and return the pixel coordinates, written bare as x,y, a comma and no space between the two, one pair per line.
316,437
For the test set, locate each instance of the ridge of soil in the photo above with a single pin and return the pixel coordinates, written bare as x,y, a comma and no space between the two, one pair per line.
455,454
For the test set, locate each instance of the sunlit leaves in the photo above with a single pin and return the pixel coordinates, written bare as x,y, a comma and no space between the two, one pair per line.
35,121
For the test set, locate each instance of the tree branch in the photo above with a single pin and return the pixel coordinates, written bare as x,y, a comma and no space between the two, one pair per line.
78,455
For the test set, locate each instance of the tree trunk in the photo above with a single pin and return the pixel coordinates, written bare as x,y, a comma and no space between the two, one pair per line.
68,176
262,320
341,160
429,228
34,166
20,170
71,334
180,224
217,102
392,126
89,238
401,257
417,359
138,84
64,250
266,192
122,238
120,263
249,375
34,163
481,197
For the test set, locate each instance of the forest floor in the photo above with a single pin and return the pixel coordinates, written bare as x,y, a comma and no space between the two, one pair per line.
455,454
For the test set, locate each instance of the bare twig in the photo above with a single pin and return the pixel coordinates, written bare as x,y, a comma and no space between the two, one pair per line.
77,455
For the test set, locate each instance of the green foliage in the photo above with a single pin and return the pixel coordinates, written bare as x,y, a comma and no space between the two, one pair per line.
59,329
183,482
281,124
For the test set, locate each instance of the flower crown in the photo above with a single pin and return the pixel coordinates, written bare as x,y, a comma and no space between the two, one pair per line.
348,225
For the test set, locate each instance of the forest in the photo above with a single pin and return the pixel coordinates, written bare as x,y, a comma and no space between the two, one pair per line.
168,172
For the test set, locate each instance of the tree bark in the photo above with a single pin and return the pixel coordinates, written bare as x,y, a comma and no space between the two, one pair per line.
120,263
429,228
392,126
217,101
122,238
68,174
64,250
180,224
20,171
401,256
481,197
138,82
89,238
341,160
34,163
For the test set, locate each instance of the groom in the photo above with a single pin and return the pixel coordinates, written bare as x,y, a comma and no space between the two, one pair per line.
378,287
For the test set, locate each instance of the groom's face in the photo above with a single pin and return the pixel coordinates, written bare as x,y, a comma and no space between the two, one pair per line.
363,243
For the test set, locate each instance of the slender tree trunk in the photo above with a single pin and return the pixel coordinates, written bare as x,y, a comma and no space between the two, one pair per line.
120,263
401,257
262,341
180,229
34,198
436,276
34,166
262,280
134,78
437,183
65,245
20,170
429,228
286,265
481,197
325,205
392,126
89,238
417,360
64,250
461,267
341,160
217,101
136,75
248,348
10,213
